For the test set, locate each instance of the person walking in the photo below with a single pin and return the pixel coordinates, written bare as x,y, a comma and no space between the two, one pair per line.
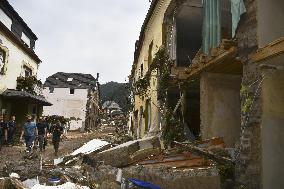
12,130
2,127
56,130
5,130
45,121
29,132
42,133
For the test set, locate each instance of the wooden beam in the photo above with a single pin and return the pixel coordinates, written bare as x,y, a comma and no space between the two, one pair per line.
271,50
206,154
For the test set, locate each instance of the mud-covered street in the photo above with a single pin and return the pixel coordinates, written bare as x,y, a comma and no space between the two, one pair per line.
70,142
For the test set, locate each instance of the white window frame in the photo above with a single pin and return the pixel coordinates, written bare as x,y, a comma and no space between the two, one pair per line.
26,39
5,19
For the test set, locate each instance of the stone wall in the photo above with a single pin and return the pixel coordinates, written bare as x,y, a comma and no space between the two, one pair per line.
248,169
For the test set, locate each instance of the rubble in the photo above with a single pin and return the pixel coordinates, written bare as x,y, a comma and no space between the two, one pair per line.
96,164
67,185
26,168
171,178
120,156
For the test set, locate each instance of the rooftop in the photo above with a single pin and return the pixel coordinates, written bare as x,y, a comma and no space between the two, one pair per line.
71,80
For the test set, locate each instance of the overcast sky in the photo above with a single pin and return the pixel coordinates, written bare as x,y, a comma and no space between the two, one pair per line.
86,36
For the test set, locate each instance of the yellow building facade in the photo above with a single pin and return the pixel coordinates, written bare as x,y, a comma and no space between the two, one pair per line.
146,116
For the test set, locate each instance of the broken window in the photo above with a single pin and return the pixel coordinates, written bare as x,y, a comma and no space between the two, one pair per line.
188,26
72,91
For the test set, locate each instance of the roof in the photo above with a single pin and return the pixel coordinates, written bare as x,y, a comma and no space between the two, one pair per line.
16,94
19,18
110,105
21,44
139,43
71,80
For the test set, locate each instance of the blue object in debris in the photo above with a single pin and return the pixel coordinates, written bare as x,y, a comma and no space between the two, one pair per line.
143,184
54,181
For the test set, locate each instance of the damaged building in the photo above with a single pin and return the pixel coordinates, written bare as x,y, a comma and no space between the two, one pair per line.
226,79
20,91
75,96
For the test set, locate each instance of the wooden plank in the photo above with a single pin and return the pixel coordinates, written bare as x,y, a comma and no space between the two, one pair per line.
206,154
271,50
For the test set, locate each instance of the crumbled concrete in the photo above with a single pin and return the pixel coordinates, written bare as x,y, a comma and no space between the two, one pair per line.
207,178
120,156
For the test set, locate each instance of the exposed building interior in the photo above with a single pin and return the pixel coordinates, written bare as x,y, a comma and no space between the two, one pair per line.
189,31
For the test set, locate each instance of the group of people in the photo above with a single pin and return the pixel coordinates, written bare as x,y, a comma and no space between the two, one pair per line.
33,134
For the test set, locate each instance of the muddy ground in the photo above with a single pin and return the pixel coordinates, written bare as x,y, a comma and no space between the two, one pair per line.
71,141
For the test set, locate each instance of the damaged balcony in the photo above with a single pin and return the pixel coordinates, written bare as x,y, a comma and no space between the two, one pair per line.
205,60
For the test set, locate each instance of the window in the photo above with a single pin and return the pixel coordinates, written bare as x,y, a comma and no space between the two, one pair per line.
28,71
72,91
26,39
2,58
51,89
150,54
5,19
141,69
70,79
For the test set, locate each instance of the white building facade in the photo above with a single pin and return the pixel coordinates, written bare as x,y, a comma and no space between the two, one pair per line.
70,94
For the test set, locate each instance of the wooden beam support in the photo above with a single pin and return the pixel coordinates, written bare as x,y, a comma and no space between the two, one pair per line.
271,50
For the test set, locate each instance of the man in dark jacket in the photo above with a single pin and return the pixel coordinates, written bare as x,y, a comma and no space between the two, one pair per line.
42,133
5,130
12,129
3,125
56,130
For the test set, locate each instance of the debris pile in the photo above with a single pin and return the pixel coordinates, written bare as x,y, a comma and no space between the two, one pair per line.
101,164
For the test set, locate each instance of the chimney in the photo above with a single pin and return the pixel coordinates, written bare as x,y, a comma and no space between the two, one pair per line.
98,75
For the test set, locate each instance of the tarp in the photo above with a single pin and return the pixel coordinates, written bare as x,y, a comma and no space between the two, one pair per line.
237,9
143,184
211,29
